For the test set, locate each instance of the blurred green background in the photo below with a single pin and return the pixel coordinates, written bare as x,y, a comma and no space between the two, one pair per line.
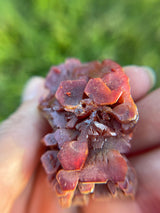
34,34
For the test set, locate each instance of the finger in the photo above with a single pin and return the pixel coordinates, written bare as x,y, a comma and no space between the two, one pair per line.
148,172
21,203
141,79
112,206
34,89
147,131
20,138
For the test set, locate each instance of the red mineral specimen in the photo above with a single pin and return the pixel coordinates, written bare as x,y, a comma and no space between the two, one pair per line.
92,114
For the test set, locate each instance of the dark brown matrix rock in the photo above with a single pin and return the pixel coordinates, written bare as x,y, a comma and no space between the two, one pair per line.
92,114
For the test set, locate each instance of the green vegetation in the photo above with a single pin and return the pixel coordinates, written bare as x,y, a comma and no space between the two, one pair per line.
35,34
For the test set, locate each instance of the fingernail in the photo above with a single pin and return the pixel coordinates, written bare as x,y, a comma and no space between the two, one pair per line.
33,89
151,73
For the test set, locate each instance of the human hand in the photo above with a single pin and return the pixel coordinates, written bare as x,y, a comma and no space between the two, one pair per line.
23,183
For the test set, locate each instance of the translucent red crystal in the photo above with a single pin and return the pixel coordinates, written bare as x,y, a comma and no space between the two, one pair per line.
98,90
92,114
70,92
73,154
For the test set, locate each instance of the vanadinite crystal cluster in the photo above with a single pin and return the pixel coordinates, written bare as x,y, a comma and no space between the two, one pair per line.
92,115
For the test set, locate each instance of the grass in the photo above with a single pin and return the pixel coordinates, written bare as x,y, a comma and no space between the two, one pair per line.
36,34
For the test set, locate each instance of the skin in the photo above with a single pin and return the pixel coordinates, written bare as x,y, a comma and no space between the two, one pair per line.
23,184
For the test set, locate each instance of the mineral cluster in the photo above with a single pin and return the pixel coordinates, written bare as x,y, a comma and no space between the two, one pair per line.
92,115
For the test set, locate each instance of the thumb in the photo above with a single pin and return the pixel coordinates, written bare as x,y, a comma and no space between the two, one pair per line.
19,144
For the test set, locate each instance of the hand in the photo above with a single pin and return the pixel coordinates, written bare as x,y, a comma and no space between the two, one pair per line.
23,184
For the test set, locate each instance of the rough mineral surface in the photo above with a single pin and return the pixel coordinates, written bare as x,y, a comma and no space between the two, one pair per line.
92,114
